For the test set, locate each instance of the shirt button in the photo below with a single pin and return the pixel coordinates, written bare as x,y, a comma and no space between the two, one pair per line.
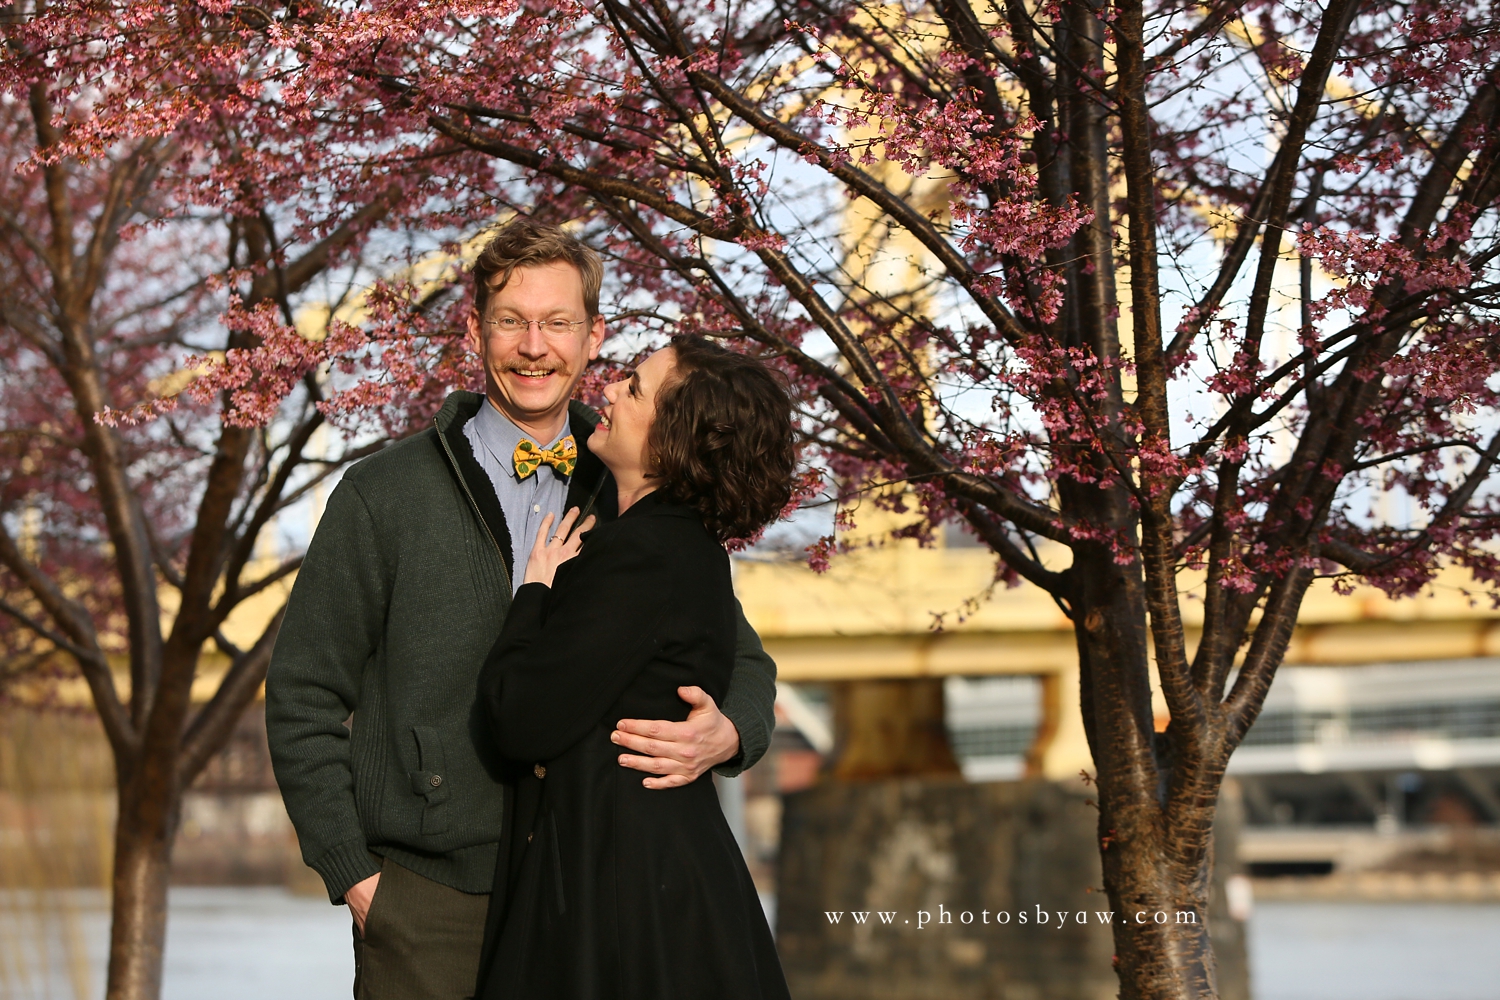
536,508
539,771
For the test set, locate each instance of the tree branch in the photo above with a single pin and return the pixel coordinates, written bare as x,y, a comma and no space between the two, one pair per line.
1310,91
210,729
77,629
1159,568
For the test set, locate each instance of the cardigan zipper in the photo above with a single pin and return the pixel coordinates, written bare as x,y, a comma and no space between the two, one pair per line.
474,504
589,507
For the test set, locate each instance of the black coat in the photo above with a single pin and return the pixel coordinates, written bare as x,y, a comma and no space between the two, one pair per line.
608,890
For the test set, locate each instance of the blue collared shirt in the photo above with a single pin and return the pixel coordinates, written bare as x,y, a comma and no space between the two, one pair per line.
525,503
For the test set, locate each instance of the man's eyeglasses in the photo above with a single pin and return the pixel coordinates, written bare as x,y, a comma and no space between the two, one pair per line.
556,327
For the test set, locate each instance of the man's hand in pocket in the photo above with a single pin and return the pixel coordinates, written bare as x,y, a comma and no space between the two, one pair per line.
359,897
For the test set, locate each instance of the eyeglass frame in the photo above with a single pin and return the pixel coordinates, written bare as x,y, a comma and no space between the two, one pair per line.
541,324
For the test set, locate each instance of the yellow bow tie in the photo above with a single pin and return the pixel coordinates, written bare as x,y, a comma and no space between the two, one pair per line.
561,456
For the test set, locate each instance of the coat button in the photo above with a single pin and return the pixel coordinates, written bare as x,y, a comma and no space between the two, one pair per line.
529,836
436,780
539,771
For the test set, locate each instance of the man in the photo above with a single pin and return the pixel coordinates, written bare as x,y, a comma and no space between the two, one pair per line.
387,771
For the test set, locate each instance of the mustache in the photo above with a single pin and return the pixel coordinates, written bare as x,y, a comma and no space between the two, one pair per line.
535,366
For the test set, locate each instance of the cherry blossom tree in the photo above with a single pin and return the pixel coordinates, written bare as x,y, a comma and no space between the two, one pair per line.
1154,300
158,412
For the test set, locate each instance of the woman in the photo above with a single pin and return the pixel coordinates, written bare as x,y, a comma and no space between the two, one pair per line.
607,889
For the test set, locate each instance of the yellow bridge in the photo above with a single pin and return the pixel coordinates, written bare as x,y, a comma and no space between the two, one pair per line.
874,614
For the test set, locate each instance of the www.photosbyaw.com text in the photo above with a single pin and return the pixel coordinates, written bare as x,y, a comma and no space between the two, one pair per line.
1039,918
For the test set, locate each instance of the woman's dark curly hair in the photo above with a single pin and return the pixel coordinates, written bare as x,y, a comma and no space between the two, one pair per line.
721,441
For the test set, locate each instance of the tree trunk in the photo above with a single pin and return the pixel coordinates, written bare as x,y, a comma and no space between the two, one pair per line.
891,728
1162,945
1157,883
1150,869
143,855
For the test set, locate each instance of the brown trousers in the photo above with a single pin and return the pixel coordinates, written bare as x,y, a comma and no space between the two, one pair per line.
421,940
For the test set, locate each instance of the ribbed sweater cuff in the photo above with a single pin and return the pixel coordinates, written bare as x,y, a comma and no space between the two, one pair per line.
344,866
753,739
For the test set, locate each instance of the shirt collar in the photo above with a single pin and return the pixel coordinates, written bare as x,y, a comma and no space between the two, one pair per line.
500,436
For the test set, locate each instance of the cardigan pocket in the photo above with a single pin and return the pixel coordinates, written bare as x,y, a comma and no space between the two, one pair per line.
430,780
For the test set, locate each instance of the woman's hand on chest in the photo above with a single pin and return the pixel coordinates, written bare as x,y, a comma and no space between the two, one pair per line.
550,551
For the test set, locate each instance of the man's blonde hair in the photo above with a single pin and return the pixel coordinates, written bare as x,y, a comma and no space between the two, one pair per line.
524,242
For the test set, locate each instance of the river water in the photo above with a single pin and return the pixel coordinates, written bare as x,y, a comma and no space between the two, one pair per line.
253,944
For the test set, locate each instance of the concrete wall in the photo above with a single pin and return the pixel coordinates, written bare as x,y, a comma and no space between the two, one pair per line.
945,849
